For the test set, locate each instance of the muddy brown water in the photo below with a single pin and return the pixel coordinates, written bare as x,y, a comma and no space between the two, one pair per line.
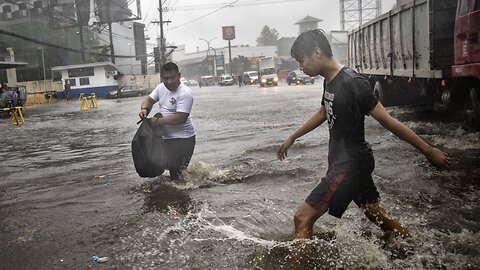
68,190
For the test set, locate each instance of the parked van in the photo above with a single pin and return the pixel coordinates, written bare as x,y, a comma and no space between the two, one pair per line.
225,80
250,77
206,81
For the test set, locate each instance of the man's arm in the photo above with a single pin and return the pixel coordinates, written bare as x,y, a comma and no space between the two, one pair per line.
436,157
177,118
315,121
146,107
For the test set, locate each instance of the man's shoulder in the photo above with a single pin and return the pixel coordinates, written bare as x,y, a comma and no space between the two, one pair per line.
351,74
184,90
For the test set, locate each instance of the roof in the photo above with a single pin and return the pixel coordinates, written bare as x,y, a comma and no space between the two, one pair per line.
7,65
195,60
97,64
308,19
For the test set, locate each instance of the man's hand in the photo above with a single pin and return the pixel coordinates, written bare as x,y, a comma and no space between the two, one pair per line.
438,158
143,113
283,149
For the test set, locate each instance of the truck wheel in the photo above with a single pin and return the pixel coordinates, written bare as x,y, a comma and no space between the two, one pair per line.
472,109
381,91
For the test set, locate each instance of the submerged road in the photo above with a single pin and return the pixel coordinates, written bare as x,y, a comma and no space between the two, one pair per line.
69,190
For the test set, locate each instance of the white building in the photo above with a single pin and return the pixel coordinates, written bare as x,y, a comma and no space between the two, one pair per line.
186,61
93,78
180,55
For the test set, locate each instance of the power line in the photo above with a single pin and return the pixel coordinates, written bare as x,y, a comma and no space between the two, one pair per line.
201,17
240,4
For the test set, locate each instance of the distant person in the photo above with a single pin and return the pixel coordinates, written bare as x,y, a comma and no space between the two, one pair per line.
67,90
240,80
119,92
347,98
3,88
175,102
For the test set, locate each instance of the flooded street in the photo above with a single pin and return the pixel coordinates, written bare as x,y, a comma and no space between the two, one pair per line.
69,190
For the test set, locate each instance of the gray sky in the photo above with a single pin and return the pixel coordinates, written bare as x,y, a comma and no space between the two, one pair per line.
248,17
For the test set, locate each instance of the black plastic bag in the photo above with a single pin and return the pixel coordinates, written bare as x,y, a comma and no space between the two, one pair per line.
148,150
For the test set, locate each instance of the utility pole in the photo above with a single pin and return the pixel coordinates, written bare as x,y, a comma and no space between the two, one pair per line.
229,58
161,42
112,51
80,31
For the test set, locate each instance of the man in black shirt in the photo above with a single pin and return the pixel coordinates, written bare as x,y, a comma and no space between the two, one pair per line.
347,98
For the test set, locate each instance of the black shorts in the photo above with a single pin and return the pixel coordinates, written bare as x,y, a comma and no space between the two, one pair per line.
179,152
343,183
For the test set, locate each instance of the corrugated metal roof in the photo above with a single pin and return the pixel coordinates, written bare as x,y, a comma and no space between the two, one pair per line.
98,64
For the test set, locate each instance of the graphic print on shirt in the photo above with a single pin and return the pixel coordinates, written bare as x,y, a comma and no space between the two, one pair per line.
329,108
173,101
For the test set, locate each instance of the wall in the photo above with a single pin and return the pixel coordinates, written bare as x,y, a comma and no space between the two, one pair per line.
149,81
41,86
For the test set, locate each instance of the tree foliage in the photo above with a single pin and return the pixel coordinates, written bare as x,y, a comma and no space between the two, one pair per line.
268,37
240,64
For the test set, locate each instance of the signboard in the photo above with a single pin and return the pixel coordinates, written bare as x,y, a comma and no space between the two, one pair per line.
228,32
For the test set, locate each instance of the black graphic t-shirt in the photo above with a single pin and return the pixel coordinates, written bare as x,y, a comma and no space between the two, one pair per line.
347,99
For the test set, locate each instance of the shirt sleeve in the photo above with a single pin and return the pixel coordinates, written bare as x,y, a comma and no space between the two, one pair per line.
185,102
154,94
366,99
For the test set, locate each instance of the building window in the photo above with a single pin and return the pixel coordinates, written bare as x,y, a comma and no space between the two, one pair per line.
85,81
70,82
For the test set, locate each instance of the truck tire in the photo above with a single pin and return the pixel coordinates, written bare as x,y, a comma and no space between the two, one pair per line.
472,109
381,91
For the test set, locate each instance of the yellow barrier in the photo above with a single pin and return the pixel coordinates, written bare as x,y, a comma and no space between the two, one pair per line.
80,97
93,101
16,114
50,98
84,106
36,98
88,103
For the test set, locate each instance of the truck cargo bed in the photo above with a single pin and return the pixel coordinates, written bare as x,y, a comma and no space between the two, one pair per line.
413,40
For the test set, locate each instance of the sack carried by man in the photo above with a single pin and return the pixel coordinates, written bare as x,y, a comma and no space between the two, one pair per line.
148,150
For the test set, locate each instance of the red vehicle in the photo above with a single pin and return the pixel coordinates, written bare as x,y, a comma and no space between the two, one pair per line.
424,50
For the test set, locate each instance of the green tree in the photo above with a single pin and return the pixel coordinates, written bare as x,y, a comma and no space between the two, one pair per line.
268,37
240,64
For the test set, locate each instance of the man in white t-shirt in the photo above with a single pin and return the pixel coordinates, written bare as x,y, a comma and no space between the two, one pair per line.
175,102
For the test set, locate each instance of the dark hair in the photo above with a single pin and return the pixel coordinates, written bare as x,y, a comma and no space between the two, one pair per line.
170,66
307,41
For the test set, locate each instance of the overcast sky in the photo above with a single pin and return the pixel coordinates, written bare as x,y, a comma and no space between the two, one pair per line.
248,17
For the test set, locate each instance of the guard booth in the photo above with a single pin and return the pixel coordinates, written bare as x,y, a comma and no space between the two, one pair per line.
92,78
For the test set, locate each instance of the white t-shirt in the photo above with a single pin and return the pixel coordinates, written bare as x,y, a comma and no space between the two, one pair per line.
170,102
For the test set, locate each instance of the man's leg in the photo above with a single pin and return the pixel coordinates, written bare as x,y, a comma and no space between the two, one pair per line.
304,219
379,216
180,152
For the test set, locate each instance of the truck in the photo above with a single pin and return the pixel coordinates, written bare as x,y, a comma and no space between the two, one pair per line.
423,51
267,71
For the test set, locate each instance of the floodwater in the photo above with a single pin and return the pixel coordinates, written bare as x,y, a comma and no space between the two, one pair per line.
69,190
